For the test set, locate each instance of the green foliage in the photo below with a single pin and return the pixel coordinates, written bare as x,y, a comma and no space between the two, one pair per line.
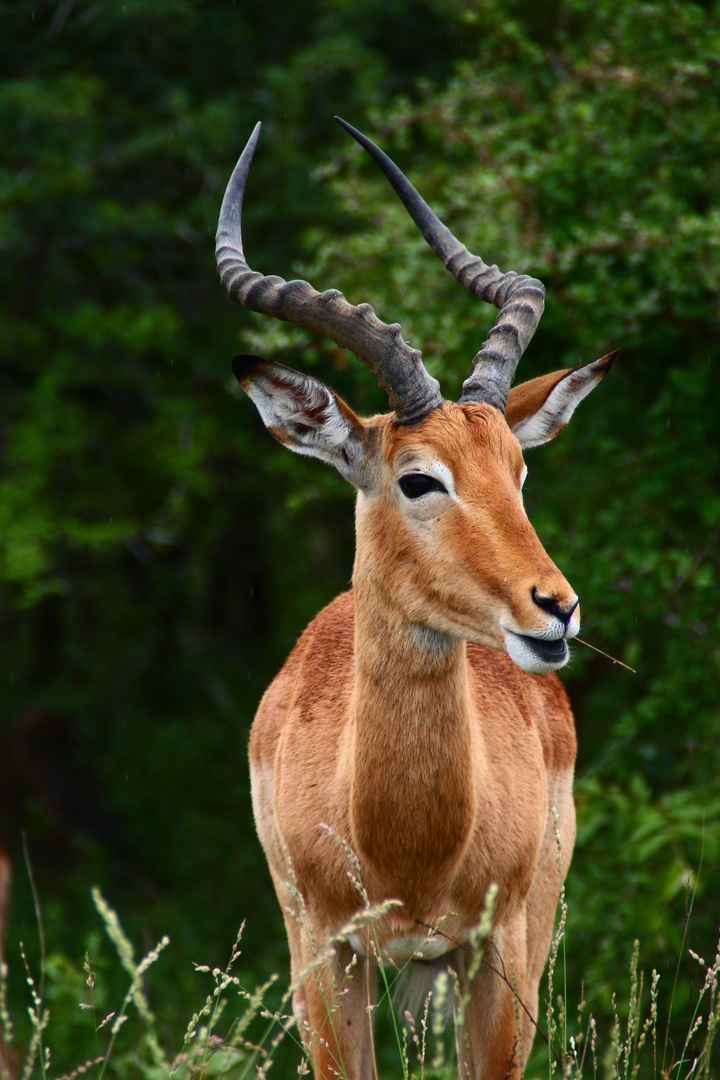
159,555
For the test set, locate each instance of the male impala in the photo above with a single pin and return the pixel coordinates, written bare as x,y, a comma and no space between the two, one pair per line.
417,722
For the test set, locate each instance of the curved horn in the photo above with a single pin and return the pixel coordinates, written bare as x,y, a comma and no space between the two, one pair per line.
412,392
521,299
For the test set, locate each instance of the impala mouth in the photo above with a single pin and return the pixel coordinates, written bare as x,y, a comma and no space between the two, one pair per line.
536,655
551,651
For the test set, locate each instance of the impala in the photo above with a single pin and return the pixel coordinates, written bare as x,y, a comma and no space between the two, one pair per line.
417,730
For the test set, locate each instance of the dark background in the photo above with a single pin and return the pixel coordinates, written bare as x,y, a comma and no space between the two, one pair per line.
159,553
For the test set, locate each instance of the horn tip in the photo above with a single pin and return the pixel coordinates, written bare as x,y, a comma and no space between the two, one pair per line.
344,124
255,134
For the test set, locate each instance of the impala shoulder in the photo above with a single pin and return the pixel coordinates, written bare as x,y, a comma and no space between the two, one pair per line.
323,686
540,699
555,722
315,681
328,640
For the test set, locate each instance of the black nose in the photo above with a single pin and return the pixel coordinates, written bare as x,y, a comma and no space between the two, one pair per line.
553,607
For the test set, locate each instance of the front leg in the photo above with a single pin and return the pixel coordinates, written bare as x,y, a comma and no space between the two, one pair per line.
338,995
489,1044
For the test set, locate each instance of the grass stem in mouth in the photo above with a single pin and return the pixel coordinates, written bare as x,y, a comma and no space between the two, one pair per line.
595,649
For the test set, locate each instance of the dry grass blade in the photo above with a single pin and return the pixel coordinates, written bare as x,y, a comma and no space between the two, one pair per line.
609,657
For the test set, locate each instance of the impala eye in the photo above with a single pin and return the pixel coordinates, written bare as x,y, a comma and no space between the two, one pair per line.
416,484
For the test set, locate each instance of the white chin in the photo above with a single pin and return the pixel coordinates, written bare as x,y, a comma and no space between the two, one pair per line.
534,655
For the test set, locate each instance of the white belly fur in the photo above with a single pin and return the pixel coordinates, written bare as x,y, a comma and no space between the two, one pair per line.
408,947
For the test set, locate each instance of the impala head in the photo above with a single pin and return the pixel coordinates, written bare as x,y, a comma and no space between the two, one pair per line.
441,528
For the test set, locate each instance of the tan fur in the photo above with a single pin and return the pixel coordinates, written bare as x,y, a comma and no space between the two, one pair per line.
398,726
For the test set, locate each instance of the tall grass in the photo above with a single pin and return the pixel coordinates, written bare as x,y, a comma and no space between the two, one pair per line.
238,1030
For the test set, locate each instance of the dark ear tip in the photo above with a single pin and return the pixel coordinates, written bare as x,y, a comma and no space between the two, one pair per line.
602,366
245,365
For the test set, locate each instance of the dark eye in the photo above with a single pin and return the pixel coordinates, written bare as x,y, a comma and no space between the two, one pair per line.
416,484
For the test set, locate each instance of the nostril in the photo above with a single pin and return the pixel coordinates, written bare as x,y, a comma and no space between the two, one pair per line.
547,603
571,611
553,607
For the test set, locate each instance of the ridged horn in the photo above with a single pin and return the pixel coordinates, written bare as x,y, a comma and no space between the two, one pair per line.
398,368
521,299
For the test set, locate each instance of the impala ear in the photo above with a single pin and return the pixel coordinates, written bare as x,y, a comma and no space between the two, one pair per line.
538,410
305,415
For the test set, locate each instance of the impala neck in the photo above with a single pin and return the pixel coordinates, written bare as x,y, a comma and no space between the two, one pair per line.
412,746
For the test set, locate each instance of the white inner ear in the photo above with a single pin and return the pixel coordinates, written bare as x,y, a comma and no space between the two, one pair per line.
305,416
312,408
304,409
559,406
